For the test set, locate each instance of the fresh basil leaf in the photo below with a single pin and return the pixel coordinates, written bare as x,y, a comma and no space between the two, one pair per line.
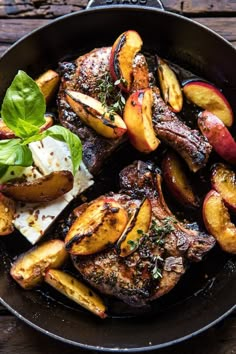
3,170
73,141
12,153
33,138
23,106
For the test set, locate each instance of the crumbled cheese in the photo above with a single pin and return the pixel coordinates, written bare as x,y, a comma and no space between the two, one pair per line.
32,220
49,155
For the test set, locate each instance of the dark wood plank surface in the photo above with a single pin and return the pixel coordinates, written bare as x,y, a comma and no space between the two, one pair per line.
54,8
19,17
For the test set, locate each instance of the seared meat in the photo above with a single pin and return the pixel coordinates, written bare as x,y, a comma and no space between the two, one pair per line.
163,254
84,75
189,143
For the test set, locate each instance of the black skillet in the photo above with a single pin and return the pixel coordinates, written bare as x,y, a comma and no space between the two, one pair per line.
206,294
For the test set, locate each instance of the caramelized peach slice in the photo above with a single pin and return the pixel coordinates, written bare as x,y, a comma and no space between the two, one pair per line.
218,136
98,226
48,83
76,291
30,267
7,213
136,229
123,52
177,180
95,115
138,119
217,221
223,180
43,189
170,87
208,97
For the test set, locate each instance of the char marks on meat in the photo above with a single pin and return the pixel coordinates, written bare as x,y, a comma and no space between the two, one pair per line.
84,74
189,143
163,254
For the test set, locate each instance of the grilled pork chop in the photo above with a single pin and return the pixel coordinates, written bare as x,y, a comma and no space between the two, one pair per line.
84,75
163,255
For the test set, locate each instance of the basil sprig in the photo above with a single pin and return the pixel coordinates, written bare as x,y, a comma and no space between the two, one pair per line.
23,106
23,110
13,153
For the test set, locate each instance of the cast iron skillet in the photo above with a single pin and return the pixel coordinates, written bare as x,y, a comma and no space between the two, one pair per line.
206,294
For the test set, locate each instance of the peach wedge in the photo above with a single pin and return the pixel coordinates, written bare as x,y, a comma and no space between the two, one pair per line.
123,52
170,87
177,181
7,214
94,114
218,136
29,268
43,189
76,291
48,83
98,226
136,229
210,98
217,221
223,180
138,119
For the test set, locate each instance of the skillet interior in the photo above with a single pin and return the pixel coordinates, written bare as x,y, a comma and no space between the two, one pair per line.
196,302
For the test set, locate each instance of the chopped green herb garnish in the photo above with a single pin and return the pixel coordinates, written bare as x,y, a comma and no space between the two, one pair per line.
159,231
133,244
109,92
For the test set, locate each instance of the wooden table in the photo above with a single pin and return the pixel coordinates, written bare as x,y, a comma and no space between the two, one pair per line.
19,17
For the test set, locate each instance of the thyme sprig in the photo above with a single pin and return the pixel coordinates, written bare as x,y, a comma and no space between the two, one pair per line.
109,91
161,230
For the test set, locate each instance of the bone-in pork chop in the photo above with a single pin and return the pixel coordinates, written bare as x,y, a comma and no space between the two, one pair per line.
163,255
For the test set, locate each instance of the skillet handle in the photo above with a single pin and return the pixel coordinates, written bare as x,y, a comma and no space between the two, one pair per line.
150,3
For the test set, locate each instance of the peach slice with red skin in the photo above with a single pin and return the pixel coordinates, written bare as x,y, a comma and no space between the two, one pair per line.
217,221
177,180
138,119
170,87
223,180
218,136
94,114
123,52
210,98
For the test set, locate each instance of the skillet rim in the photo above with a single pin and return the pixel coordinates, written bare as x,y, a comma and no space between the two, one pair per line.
122,7
119,350
15,312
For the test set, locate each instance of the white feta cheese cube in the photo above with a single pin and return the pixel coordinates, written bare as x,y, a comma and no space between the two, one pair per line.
49,155
33,220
